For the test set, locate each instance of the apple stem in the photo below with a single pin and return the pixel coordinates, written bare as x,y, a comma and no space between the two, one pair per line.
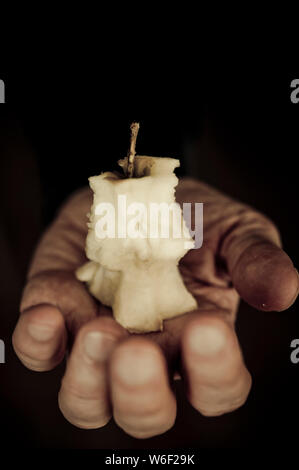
132,152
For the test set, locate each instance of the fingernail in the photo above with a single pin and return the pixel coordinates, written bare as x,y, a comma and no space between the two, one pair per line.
206,340
137,367
98,346
41,332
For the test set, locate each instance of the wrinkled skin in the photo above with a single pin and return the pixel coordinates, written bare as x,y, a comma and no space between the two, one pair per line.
111,372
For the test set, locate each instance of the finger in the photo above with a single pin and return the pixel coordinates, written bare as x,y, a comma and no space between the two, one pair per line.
143,403
83,397
261,271
39,338
61,247
63,290
51,277
216,378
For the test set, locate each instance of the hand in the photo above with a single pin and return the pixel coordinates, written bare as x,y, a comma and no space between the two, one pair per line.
111,371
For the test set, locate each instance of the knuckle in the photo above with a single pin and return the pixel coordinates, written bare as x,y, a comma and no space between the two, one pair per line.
94,422
225,408
213,329
39,360
144,431
226,403
138,348
143,434
142,425
81,411
52,287
37,365
97,424
257,222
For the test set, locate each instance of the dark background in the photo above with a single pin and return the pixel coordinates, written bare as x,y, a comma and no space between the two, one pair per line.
239,133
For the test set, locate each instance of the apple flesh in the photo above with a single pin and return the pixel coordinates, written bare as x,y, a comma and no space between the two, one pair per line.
138,277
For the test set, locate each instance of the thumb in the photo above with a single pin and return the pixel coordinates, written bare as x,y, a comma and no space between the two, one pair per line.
262,273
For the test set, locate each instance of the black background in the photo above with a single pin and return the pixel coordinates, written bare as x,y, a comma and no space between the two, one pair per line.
238,132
